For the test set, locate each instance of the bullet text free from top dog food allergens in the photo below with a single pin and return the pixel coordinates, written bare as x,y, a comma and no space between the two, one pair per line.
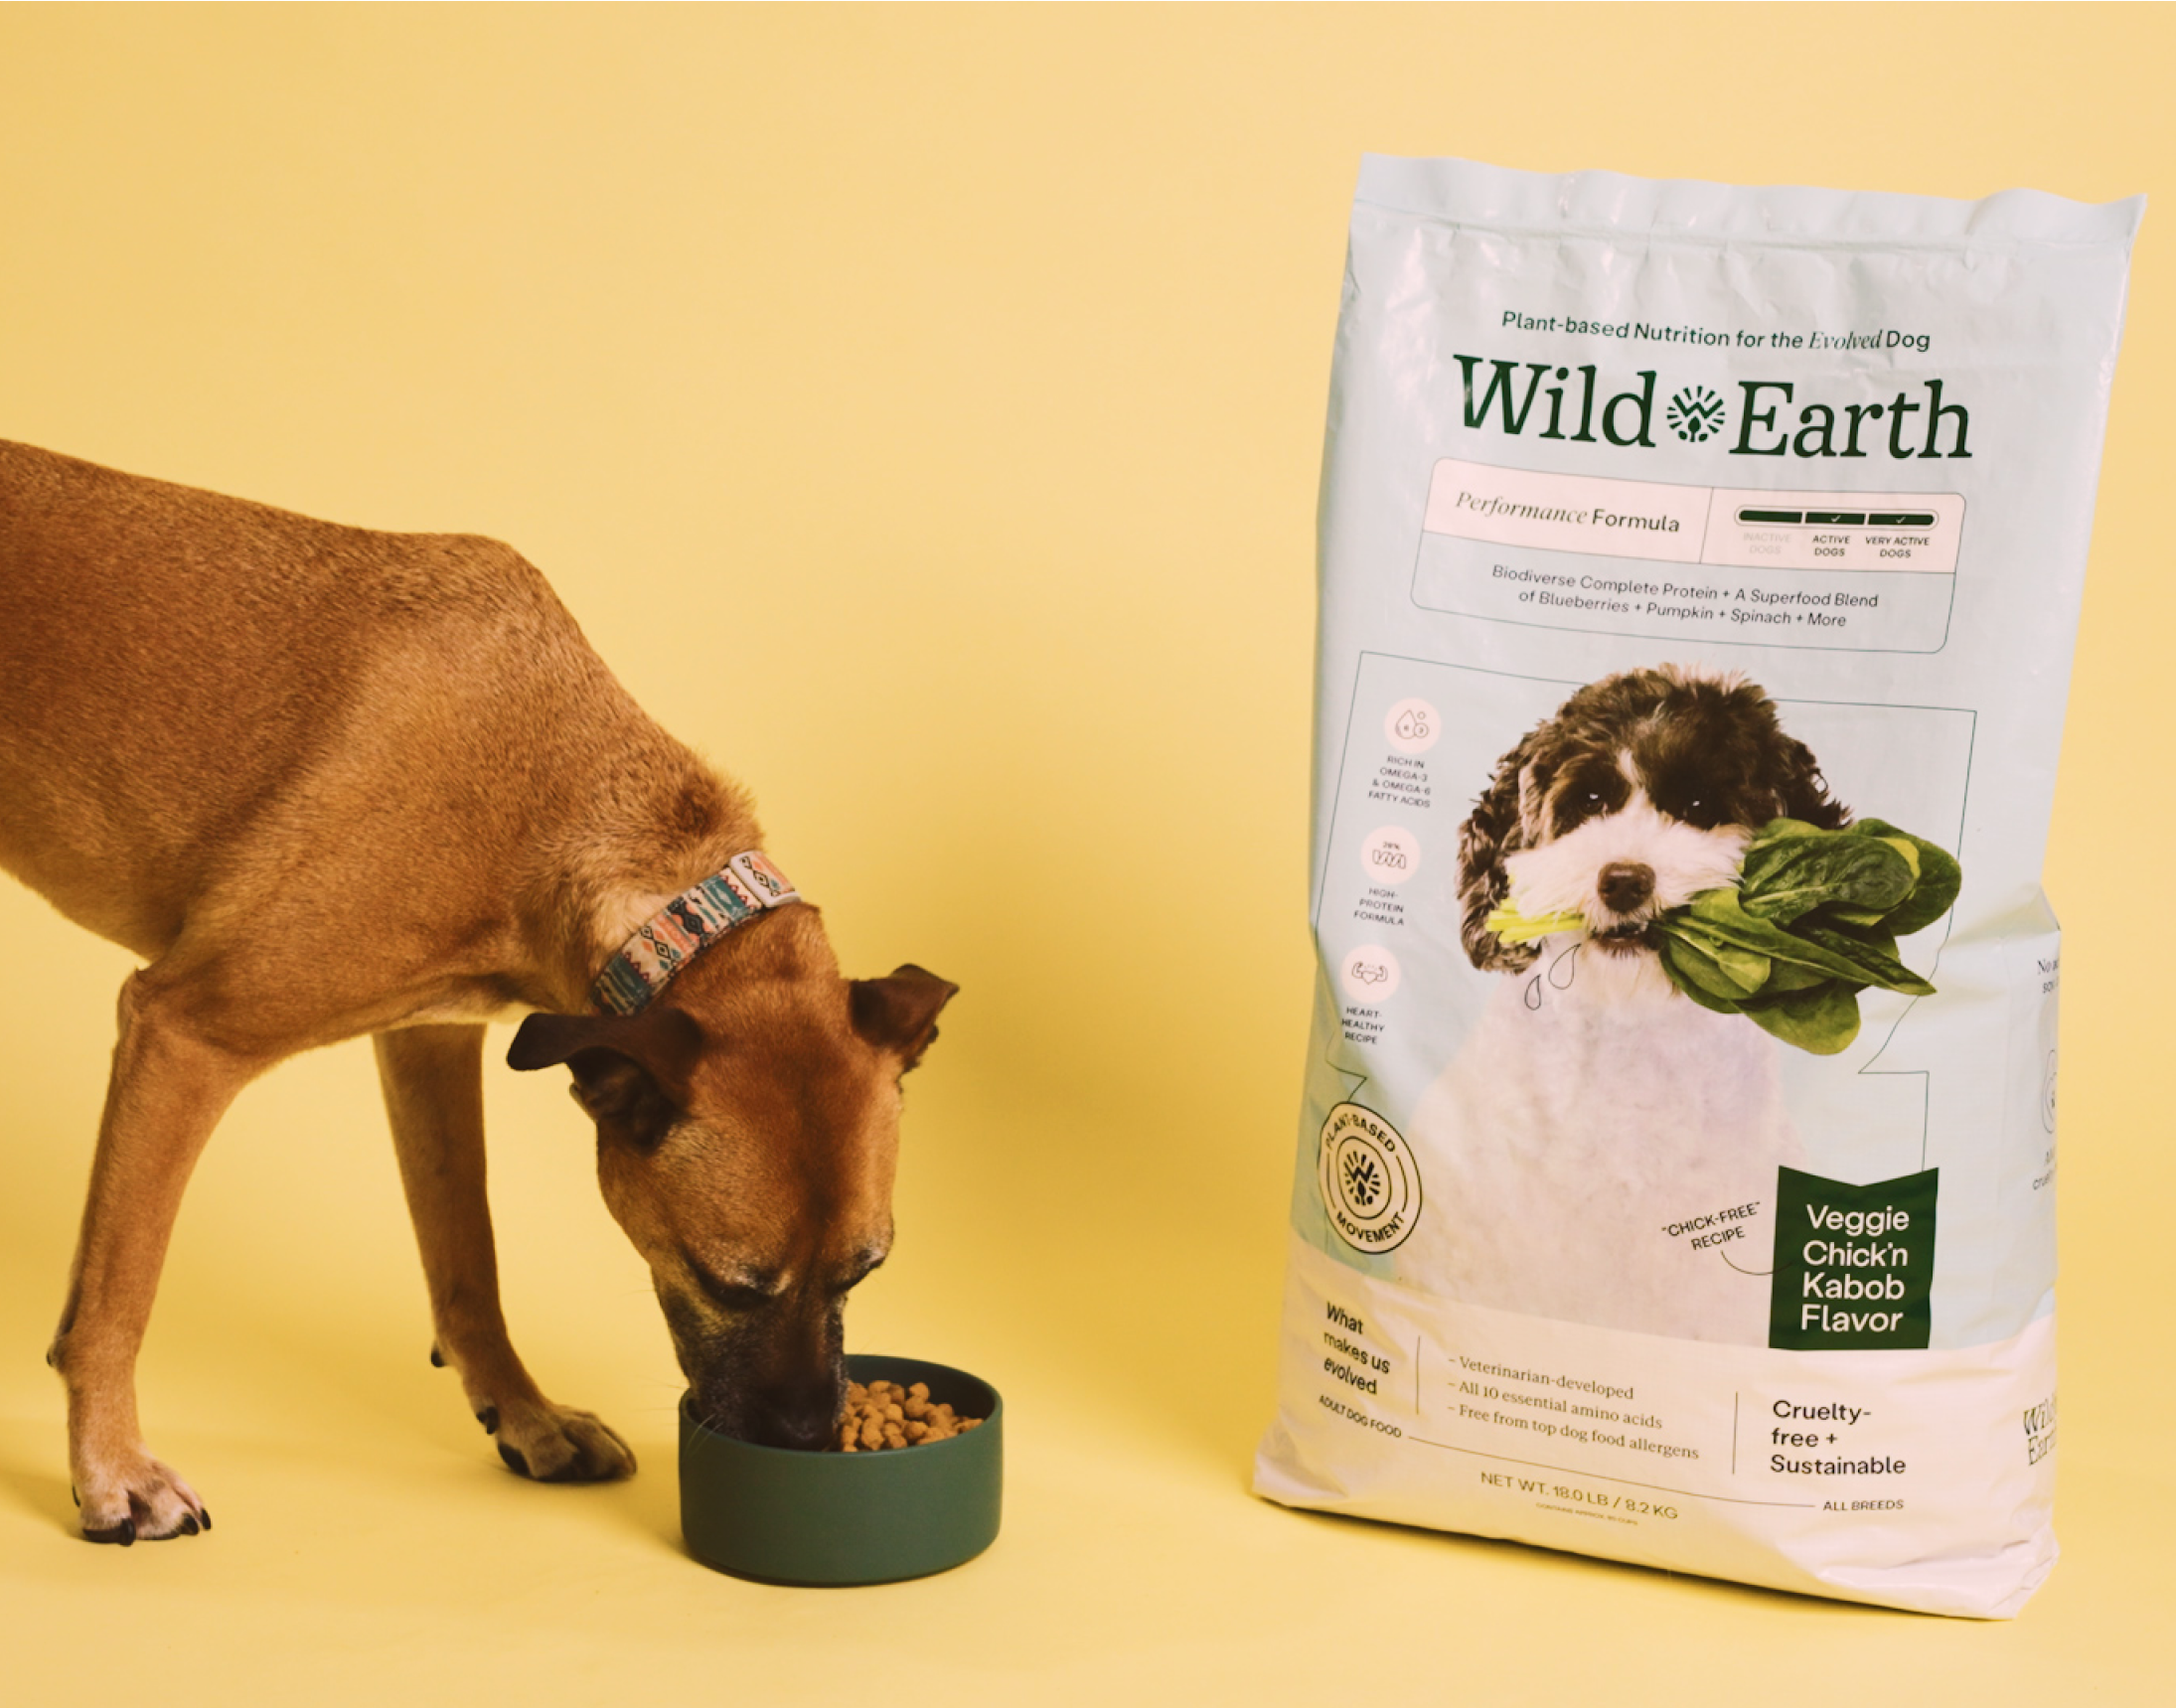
1673,1184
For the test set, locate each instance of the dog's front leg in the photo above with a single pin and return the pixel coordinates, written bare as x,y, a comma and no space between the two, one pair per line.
168,1091
434,1097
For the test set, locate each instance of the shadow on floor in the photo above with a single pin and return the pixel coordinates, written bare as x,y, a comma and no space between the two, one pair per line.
647,1504
45,1494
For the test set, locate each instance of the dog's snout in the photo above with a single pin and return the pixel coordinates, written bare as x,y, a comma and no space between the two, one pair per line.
803,1417
801,1414
1625,886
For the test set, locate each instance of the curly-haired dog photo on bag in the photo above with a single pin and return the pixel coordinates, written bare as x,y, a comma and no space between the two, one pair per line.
1611,1081
1676,1167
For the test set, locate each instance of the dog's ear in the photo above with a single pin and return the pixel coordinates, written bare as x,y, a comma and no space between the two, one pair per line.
1495,829
1805,791
626,1067
900,1013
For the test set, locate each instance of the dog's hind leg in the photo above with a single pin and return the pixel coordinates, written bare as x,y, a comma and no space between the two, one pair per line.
434,1097
168,1090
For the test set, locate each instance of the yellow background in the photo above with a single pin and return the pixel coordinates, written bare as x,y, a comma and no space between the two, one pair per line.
922,410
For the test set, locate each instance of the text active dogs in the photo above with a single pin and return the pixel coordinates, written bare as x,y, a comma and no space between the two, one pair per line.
1596,1116
330,782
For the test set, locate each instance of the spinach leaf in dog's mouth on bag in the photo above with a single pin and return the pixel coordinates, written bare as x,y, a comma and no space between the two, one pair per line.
1812,921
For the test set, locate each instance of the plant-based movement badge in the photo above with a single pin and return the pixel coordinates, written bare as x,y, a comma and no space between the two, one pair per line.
1370,1189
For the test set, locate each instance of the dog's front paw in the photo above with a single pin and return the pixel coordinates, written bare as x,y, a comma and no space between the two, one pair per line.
132,1497
557,1443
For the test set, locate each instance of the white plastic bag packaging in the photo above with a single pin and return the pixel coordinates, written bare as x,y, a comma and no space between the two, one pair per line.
1700,570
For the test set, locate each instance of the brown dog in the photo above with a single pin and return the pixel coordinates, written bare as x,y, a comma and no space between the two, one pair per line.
328,782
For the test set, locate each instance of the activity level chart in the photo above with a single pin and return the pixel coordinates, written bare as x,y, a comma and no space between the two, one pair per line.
1853,571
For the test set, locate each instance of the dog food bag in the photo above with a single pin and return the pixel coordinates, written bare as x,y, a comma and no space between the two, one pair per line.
1700,569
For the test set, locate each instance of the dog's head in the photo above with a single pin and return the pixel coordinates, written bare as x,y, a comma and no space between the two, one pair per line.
1641,791
747,1132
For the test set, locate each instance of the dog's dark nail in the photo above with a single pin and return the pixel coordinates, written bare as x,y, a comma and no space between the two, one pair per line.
204,1513
189,1524
489,1418
73,1495
514,1458
437,1360
122,1534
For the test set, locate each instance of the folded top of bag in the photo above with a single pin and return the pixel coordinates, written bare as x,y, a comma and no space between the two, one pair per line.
1691,210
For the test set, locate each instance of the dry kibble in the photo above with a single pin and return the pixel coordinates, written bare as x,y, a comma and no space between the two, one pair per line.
884,1415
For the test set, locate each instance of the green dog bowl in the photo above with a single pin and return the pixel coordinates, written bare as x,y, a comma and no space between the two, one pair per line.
789,1517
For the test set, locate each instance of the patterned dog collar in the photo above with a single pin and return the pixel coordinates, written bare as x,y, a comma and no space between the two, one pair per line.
749,886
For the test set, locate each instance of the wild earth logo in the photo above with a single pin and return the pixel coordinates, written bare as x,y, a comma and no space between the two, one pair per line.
1695,413
1505,399
2039,1430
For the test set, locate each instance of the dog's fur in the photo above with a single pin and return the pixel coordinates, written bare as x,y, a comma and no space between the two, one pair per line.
330,782
1595,1108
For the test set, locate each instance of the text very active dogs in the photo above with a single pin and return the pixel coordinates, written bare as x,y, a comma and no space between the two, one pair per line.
1595,1108
330,782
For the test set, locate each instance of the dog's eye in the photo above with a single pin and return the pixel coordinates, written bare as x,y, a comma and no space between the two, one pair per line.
1588,797
749,1292
1689,803
853,1278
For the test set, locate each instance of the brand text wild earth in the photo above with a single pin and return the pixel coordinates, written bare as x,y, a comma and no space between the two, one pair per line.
1574,409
